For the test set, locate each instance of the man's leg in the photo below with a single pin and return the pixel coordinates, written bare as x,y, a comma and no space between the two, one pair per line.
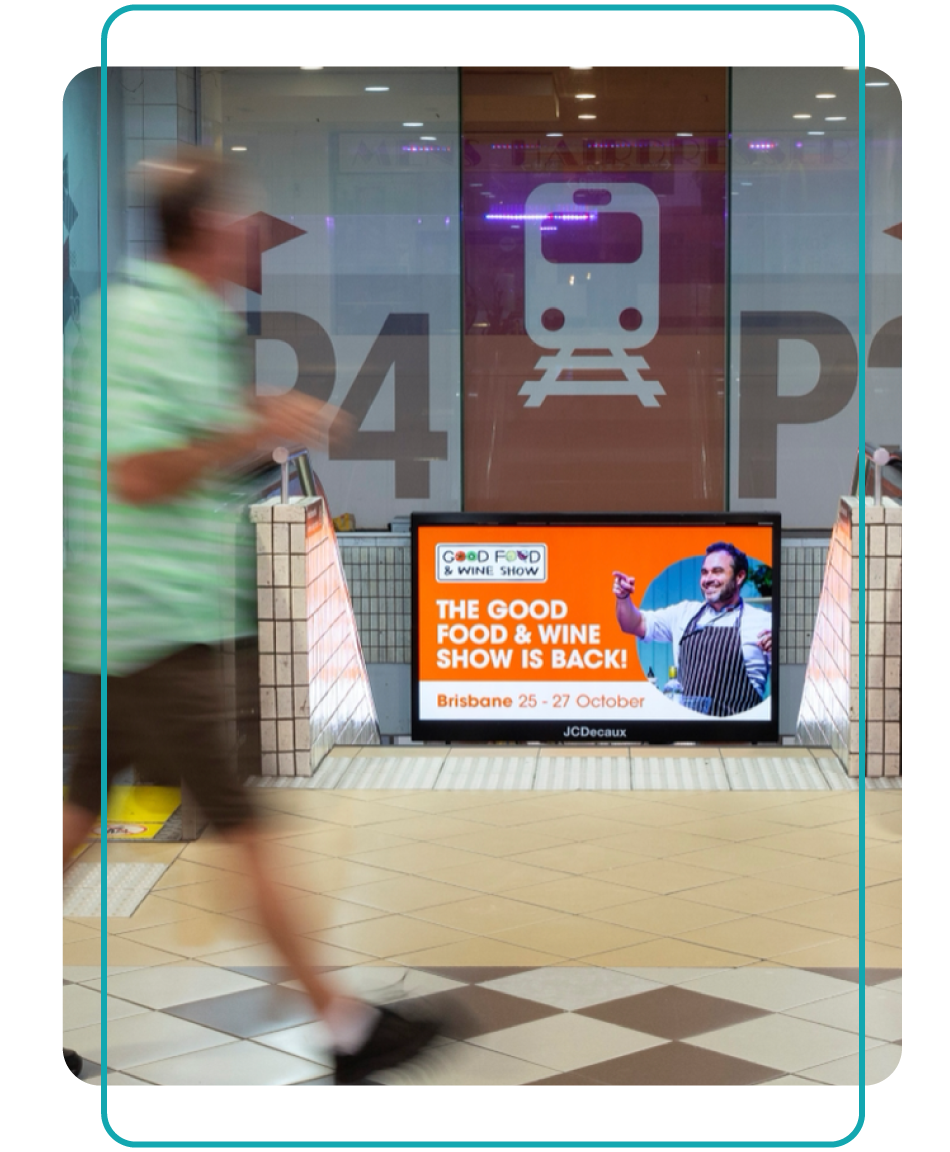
81,809
78,820
77,824
214,739
271,902
365,1038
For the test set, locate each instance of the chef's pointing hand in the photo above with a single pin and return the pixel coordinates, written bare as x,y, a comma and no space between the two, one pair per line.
623,585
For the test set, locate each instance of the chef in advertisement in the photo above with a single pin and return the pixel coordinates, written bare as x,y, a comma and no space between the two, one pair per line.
722,645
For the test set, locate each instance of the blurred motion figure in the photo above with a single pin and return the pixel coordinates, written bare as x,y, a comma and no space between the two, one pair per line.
182,427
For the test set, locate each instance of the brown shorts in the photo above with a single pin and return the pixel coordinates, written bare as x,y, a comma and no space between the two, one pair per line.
192,718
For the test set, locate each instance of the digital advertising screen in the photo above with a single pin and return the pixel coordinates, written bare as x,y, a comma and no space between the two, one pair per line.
569,629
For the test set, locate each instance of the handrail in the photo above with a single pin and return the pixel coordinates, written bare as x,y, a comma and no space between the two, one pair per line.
304,476
882,472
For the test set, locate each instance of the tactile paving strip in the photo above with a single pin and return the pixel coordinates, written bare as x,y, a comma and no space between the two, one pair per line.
586,773
501,773
384,772
681,773
765,773
127,885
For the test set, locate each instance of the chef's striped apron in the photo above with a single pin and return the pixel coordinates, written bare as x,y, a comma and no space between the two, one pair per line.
712,669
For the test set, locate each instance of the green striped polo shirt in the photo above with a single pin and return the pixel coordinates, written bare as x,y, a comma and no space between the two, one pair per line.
180,571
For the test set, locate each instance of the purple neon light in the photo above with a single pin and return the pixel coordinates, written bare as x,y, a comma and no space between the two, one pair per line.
539,144
582,216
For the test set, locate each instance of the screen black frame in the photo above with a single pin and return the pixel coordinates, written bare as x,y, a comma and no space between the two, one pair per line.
719,730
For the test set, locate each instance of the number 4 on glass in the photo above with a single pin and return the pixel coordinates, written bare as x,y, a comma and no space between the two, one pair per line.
403,345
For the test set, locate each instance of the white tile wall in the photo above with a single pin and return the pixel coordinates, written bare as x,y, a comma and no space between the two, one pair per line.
830,710
159,112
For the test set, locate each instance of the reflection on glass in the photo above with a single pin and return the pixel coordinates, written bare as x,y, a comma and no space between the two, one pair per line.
359,304
594,289
796,348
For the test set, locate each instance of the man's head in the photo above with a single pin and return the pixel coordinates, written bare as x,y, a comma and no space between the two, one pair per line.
724,571
195,207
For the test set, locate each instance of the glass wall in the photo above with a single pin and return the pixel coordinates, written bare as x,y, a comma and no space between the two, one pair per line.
794,286
594,252
352,290
594,238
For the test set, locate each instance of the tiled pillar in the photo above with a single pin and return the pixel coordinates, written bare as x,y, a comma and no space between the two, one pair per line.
830,702
314,687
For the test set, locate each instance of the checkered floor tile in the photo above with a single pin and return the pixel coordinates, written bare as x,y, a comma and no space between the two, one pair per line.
505,1025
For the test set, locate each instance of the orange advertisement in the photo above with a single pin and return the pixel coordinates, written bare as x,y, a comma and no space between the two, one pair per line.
519,621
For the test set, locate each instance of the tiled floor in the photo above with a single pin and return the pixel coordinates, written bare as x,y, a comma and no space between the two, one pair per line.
617,936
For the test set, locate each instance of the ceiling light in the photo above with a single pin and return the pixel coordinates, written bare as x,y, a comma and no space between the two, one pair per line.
684,133
311,67
836,118
376,89
816,133
238,148
588,116
582,69
824,96
585,96
851,67
878,84
802,116
554,134
426,137
412,124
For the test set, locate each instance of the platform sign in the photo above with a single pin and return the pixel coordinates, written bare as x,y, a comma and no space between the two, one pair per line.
117,831
568,629
136,812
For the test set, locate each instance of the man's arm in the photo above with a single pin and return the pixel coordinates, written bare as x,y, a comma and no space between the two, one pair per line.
629,616
151,477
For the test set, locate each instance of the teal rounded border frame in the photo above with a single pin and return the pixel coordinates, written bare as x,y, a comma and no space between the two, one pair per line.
862,244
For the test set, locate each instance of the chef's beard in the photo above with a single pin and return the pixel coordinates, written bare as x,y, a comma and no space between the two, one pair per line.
724,595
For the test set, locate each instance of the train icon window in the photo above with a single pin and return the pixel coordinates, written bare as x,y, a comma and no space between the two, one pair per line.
593,197
592,236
